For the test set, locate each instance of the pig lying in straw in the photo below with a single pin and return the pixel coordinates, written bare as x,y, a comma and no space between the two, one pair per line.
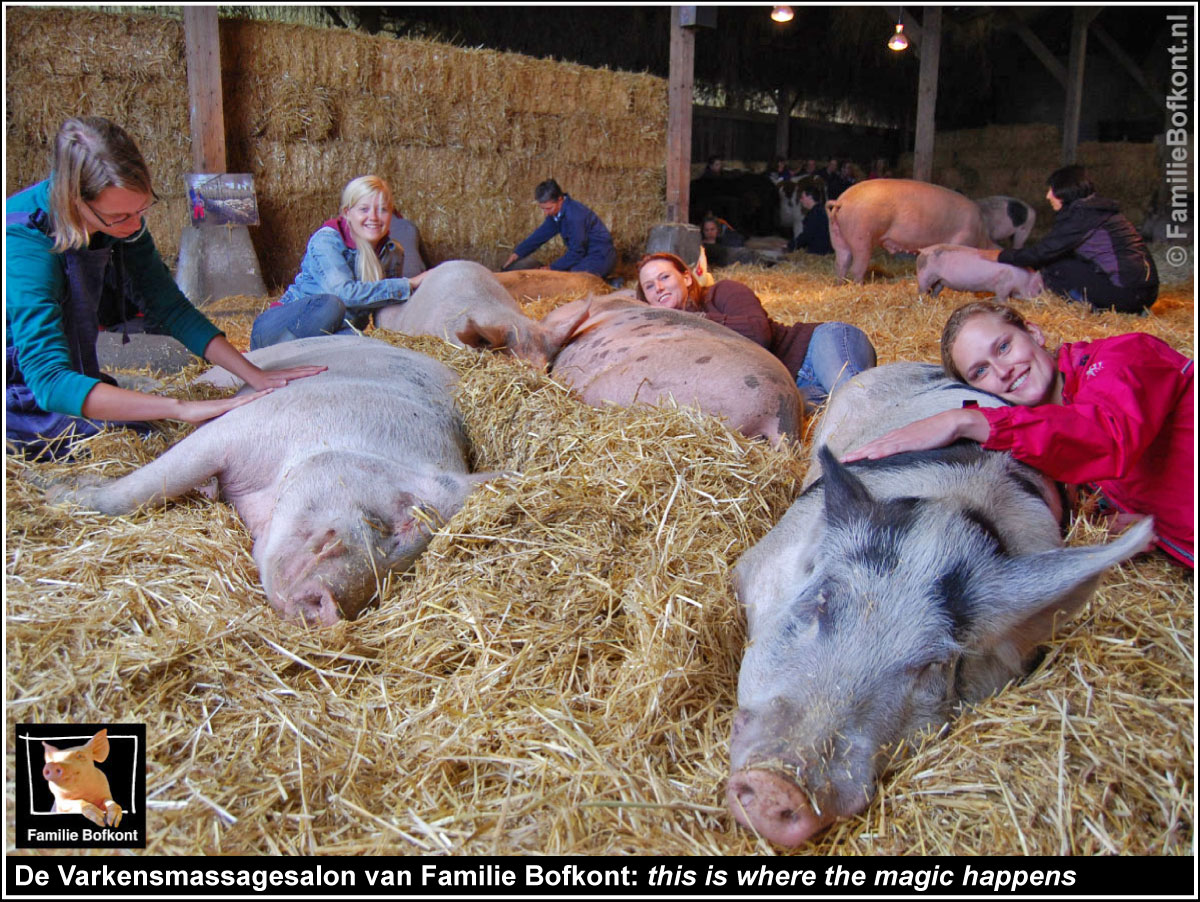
330,474
80,787
967,269
890,592
622,351
465,304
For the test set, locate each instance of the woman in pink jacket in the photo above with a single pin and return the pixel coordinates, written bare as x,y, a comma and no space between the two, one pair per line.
1116,413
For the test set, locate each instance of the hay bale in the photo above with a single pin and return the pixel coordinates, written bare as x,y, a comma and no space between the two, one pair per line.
307,109
557,675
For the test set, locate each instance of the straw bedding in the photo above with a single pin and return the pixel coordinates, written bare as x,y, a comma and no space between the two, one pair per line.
558,672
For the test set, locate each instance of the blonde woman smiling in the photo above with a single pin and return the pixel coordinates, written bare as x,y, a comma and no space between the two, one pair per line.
350,268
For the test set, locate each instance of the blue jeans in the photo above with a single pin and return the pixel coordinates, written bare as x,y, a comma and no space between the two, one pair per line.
837,351
319,314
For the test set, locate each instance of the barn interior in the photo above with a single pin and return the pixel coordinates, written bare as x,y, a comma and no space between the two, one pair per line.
558,672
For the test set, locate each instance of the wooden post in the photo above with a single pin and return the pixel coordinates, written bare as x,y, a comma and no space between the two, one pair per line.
679,119
203,57
1080,18
785,99
931,46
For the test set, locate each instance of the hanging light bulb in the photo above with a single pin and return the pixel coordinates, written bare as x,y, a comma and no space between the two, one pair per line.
898,41
782,14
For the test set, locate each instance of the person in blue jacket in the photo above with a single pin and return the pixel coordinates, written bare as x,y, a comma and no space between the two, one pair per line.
589,244
352,266
78,258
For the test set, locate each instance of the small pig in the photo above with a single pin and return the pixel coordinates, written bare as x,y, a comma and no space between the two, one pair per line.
328,473
80,787
623,351
889,593
464,303
967,269
538,284
900,215
1007,217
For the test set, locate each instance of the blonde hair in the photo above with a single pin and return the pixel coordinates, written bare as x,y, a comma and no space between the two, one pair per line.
961,317
90,155
367,266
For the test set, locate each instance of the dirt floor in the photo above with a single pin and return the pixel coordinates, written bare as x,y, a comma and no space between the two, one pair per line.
558,672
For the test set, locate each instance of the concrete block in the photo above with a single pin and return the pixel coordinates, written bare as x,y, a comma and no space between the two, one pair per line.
217,262
679,238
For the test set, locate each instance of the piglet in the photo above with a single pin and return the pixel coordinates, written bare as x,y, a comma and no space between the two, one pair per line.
79,787
969,269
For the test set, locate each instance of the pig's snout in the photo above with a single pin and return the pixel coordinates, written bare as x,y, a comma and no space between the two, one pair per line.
53,772
774,807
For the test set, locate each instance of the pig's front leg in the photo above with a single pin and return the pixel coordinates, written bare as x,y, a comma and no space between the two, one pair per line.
112,813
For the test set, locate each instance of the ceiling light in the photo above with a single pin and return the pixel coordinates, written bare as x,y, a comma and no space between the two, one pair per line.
898,41
782,14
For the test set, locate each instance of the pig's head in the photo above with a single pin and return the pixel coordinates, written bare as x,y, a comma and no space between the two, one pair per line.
910,606
537,343
73,770
340,524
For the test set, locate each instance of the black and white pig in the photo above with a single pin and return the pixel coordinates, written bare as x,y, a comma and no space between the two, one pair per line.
1007,217
889,593
330,473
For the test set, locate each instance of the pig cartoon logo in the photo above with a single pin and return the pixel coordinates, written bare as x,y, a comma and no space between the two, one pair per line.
80,787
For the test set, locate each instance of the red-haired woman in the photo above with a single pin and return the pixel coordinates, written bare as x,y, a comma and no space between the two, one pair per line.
818,355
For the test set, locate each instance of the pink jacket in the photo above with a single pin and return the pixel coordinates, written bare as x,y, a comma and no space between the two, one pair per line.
1126,423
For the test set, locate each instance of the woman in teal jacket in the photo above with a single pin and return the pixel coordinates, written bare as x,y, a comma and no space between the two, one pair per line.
77,258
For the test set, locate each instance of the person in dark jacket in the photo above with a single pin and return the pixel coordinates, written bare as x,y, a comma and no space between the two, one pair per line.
815,237
1092,253
589,244
819,356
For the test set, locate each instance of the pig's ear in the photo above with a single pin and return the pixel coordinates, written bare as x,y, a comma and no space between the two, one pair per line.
99,745
1025,593
560,327
48,750
846,498
475,335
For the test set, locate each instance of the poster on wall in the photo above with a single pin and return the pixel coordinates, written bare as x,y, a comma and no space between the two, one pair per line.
222,199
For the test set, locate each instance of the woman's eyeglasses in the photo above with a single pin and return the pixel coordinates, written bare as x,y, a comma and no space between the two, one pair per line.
121,220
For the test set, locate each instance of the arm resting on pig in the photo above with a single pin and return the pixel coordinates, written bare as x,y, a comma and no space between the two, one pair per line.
736,307
936,431
1063,238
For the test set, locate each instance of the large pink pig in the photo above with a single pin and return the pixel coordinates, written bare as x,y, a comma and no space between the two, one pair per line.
899,215
626,352
335,475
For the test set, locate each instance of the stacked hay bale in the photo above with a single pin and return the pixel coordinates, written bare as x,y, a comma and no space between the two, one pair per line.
463,135
1015,159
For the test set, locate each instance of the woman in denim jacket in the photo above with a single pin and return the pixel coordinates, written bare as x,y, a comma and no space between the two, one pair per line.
338,286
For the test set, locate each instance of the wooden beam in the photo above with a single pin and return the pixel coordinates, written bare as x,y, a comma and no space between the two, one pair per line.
1080,18
1034,43
679,119
927,95
203,59
1126,63
785,99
